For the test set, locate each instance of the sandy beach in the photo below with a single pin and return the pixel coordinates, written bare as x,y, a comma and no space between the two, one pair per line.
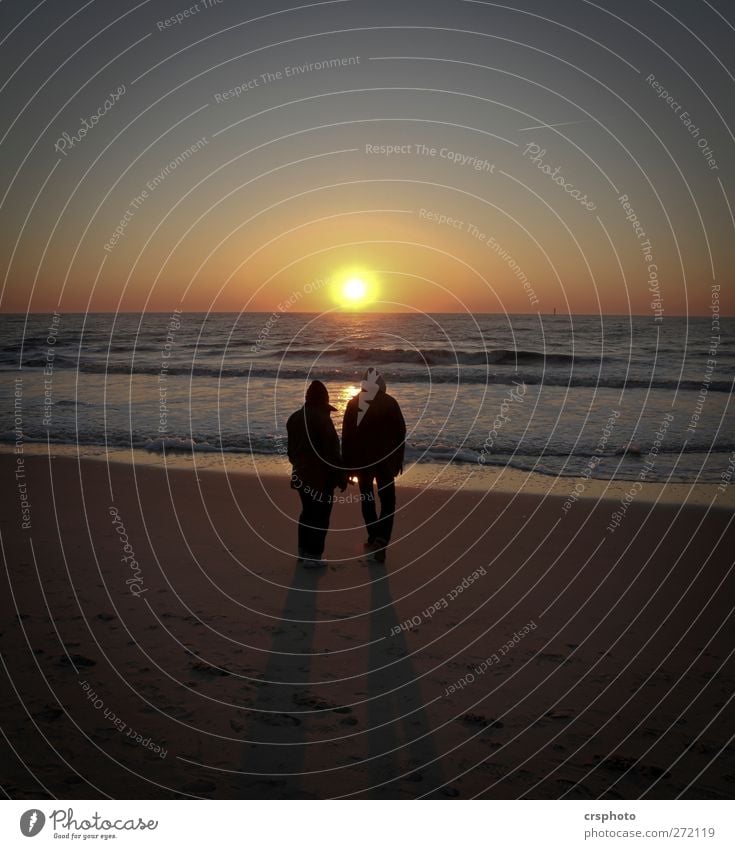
161,642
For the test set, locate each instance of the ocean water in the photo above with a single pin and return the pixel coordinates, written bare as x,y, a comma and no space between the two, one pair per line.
560,395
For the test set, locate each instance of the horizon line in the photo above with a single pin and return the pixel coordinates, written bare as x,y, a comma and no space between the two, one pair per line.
363,312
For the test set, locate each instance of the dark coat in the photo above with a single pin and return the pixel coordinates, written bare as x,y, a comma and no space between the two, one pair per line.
313,449
379,441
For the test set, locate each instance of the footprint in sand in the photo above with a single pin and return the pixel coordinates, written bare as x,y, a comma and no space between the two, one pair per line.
176,712
309,701
559,713
573,789
107,734
651,732
479,719
77,660
554,658
396,651
278,719
199,787
207,669
49,714
623,764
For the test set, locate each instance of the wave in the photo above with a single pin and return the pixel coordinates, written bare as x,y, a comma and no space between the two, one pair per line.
438,374
417,450
348,355
433,356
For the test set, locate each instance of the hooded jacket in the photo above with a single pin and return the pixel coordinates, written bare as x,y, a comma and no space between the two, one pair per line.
313,446
373,429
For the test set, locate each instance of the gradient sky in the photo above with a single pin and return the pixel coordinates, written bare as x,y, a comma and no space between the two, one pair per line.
283,189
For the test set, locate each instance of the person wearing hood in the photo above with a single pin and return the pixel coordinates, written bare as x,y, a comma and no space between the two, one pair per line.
313,450
373,445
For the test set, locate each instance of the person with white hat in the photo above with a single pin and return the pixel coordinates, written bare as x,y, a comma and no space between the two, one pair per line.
373,446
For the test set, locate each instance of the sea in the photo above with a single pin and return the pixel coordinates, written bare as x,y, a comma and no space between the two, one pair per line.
608,397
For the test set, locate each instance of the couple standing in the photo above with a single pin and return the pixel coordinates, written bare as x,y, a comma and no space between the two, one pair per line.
373,443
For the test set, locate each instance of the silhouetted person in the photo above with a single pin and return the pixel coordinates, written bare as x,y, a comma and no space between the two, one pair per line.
373,444
313,449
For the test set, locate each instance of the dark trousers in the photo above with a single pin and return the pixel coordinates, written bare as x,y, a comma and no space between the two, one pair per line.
378,527
316,508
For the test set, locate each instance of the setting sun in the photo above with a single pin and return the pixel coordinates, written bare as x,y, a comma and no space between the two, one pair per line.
354,288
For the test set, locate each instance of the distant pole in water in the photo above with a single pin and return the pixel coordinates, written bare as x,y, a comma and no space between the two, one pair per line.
554,310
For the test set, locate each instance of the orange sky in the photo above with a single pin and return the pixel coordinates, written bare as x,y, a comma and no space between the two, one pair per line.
446,176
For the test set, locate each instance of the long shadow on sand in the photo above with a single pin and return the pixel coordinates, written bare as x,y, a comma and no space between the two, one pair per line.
272,761
400,746
398,740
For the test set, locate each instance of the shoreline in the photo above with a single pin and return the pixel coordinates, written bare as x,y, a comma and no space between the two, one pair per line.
467,477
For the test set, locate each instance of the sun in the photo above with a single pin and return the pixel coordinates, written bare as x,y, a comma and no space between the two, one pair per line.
354,288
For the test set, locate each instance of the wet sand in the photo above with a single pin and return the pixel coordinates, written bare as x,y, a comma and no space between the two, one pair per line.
506,649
